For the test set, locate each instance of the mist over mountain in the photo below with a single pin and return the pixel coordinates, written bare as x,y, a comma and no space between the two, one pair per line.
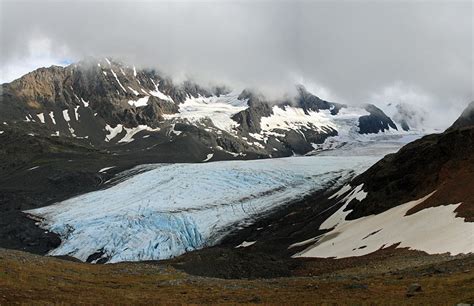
353,53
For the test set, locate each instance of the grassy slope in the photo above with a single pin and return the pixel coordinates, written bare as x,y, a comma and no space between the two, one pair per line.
30,278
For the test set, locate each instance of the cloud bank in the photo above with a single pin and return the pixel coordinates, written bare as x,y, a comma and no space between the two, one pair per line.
415,52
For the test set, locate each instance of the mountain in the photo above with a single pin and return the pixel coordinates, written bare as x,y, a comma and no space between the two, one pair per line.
440,162
466,119
66,131
106,104
419,198
406,116
81,185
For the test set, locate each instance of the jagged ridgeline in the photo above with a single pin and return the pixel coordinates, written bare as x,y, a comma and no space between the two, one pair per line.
107,104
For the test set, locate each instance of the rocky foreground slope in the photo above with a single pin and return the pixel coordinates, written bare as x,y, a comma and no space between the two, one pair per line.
388,278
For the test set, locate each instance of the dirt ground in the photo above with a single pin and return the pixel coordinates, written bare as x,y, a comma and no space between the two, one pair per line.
381,278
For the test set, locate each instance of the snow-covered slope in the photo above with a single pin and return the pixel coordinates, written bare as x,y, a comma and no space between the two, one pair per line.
432,230
418,198
174,208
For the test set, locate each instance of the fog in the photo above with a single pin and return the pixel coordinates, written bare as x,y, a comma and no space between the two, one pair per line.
416,52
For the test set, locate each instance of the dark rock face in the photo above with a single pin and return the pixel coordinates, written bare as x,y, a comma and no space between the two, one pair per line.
307,101
404,125
98,102
376,122
249,119
440,162
466,119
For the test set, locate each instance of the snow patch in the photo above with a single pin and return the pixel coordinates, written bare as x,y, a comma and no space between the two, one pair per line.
51,115
133,90
209,156
245,244
41,118
341,192
356,194
105,169
140,102
217,109
294,118
433,230
66,115
118,81
173,131
132,131
86,104
112,131
76,112
157,93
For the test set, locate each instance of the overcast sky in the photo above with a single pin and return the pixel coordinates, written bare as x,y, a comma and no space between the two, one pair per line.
417,52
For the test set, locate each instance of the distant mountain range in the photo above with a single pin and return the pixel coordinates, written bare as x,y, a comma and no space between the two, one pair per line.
104,104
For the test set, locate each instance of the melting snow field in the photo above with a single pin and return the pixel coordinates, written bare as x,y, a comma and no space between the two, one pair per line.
433,230
174,208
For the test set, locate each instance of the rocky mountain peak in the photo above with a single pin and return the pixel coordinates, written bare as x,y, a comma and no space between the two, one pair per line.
466,119
104,103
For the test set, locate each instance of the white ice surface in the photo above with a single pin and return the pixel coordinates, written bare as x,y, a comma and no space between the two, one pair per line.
433,230
217,109
175,208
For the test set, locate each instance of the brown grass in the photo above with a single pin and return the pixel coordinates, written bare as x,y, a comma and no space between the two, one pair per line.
26,278
456,185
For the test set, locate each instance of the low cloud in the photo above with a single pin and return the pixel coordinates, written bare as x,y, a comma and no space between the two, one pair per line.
418,52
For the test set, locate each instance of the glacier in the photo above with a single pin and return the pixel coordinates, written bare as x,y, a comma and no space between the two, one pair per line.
160,211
